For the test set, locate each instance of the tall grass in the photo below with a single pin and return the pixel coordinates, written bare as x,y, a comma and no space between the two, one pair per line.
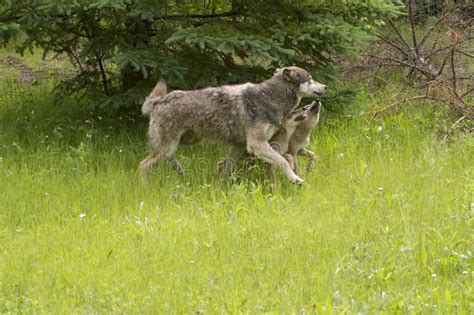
383,224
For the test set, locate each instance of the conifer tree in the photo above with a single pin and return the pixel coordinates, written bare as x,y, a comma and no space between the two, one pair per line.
120,47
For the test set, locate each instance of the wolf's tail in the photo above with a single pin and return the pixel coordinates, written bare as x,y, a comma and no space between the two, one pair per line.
159,90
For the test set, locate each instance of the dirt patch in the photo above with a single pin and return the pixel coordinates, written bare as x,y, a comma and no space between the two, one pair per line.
25,74
18,69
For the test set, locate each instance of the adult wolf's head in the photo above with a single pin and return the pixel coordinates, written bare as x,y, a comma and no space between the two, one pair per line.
307,86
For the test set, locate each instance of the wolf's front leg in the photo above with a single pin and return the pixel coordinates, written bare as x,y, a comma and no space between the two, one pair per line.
265,152
293,161
257,144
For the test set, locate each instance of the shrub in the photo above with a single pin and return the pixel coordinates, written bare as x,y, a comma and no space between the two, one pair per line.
120,47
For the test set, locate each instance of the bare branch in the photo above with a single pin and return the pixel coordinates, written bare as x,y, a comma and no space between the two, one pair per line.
445,50
366,67
412,24
406,64
439,50
394,104
453,70
450,130
441,68
432,28
400,36
467,92
459,106
466,53
388,42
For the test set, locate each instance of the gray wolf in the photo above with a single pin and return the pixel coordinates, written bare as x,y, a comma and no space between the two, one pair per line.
244,116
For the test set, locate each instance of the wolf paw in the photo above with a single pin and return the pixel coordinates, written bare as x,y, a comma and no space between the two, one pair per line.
298,181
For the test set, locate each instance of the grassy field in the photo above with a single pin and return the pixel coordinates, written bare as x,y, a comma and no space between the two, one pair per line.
384,224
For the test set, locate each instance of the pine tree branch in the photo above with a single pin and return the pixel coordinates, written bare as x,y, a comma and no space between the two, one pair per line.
7,19
159,16
199,16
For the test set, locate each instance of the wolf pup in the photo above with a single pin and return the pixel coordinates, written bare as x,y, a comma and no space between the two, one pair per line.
301,136
281,140
244,116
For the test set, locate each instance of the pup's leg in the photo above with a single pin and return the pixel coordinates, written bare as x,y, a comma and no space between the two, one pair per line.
236,153
257,143
311,156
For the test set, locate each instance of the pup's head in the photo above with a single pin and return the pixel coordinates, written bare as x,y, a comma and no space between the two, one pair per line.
307,87
295,118
313,109
312,112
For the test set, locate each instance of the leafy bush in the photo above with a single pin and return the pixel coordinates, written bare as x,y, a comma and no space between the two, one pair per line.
120,47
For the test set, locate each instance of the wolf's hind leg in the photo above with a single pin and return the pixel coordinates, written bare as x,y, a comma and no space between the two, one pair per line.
227,165
163,150
176,165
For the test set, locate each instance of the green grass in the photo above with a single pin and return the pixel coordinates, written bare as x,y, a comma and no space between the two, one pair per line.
383,224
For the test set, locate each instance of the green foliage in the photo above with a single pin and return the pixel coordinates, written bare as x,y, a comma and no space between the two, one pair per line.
120,47
9,31
383,224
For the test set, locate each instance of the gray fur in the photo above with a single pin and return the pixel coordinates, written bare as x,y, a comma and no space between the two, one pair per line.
300,138
281,140
243,116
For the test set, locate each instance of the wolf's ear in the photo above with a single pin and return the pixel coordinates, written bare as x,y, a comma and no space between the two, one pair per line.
291,76
277,71
287,75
